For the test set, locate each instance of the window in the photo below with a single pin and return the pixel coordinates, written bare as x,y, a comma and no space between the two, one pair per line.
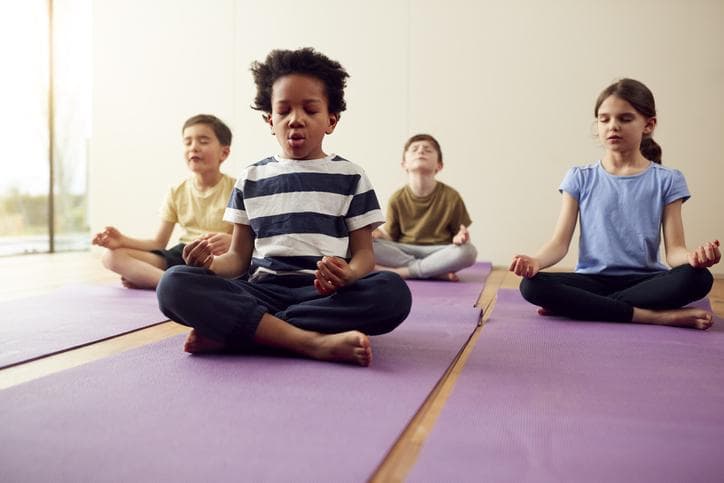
36,216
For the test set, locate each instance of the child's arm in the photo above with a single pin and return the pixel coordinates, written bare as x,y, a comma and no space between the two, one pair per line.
333,272
231,264
462,236
553,251
112,238
677,254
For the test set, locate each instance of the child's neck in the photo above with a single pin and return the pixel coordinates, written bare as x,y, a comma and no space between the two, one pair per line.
624,163
204,181
421,185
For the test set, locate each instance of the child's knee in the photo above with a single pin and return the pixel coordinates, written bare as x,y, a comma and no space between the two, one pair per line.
174,287
394,294
531,288
111,259
468,254
698,280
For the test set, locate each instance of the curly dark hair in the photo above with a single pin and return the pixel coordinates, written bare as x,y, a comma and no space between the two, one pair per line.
306,61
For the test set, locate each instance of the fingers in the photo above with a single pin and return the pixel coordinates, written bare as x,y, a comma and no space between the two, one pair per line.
332,273
198,253
524,266
219,242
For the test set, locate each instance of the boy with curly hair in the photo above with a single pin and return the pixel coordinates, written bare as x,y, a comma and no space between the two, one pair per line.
302,232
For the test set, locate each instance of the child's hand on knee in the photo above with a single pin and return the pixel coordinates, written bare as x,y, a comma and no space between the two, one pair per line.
198,253
109,238
524,266
332,274
462,236
706,255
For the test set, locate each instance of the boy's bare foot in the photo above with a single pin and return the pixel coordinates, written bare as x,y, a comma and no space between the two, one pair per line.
128,284
690,318
198,344
352,346
448,277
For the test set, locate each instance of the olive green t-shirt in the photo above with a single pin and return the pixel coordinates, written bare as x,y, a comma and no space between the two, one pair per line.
428,220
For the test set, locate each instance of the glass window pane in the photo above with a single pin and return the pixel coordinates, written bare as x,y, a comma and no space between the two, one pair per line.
24,128
72,93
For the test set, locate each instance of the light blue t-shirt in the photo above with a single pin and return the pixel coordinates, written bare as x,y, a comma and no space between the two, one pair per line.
620,216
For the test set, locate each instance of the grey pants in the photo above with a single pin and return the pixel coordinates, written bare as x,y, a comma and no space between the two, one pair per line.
424,261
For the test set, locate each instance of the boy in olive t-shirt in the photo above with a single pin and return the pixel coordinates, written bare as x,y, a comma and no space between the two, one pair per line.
425,235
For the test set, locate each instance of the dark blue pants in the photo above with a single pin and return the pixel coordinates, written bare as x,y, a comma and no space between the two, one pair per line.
230,310
613,297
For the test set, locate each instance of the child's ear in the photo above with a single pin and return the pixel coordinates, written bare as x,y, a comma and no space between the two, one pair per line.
225,150
650,125
268,119
333,120
439,167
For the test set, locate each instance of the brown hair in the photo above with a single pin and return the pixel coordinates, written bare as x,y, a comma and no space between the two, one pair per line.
222,131
641,98
424,137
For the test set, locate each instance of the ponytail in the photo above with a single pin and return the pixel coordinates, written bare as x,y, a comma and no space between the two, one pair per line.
650,149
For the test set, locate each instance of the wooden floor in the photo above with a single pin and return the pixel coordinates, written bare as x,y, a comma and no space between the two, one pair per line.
29,275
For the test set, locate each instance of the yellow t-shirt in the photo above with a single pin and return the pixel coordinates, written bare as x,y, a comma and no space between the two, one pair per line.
428,220
198,212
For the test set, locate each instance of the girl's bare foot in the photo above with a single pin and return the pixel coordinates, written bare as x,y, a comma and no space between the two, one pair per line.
545,312
690,318
198,344
351,346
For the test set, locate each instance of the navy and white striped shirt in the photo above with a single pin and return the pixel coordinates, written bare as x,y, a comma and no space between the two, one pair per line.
300,211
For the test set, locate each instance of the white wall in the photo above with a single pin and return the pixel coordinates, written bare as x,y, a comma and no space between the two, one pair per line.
506,86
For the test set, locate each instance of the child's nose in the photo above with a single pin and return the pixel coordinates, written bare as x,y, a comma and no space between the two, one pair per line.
297,117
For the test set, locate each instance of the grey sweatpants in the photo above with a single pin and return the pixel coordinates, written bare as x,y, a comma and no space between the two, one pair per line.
424,261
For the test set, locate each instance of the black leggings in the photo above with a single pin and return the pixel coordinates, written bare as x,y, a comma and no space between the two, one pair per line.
613,297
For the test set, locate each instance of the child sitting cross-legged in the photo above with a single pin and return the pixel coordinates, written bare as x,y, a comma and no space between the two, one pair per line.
196,204
426,234
302,230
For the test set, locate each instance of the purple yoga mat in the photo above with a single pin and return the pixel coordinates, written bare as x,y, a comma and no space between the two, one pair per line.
472,281
70,317
543,399
157,414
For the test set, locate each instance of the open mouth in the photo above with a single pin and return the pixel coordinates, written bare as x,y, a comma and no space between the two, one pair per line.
296,140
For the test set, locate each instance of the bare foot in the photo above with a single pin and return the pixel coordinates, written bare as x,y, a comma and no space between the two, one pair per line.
448,277
198,344
690,318
352,346
128,284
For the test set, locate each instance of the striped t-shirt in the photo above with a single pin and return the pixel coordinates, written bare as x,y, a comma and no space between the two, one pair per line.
300,211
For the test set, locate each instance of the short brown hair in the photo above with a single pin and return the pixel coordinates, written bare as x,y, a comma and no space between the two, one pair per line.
423,137
222,131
